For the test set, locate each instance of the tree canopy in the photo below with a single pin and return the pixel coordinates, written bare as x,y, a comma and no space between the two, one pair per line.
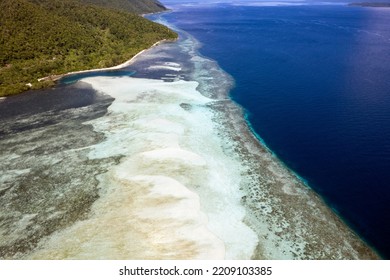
40,38
134,6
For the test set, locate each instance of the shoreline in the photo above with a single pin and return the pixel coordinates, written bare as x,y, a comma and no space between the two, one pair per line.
272,190
127,63
190,174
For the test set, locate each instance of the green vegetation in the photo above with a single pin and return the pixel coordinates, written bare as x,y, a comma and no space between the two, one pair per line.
40,38
138,7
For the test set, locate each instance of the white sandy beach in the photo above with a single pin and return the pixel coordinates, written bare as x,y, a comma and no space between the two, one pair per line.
116,67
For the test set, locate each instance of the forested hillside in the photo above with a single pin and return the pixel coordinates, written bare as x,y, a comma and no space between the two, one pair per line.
134,6
372,4
50,37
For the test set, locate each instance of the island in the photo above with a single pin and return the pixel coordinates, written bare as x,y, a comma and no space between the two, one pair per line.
159,165
372,4
51,37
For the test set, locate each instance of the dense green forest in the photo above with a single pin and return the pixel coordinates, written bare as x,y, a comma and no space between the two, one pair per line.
139,7
40,38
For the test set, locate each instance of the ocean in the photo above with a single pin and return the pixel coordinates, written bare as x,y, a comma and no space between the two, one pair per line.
209,147
314,83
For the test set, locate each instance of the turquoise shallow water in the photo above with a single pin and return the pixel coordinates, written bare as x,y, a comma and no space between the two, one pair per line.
314,83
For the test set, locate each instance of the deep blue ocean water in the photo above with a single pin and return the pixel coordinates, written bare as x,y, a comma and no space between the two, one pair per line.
315,83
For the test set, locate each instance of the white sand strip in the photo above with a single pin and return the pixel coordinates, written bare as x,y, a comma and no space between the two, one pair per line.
163,67
116,67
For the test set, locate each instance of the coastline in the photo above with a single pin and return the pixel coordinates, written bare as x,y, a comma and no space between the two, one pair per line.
279,215
190,175
116,67
272,191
